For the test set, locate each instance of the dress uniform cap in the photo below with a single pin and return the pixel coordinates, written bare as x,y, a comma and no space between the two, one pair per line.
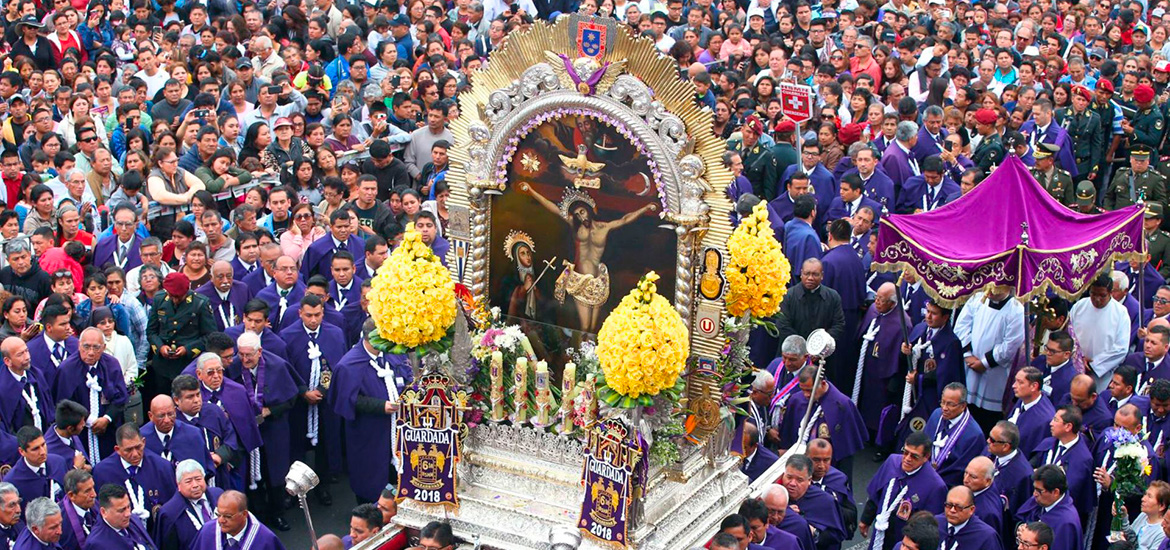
1140,151
1045,150
1086,193
1153,210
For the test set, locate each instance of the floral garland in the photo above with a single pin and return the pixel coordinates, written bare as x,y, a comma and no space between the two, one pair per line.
642,347
757,271
412,299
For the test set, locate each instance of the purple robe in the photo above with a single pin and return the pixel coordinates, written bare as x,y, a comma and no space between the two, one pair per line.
331,317
440,246
71,384
348,302
895,163
8,535
42,357
218,436
271,295
185,442
73,525
883,361
878,187
761,460
229,312
331,341
240,271
62,448
1151,280
1057,136
821,185
914,300
776,539
104,252
970,443
105,537
974,535
1033,422
26,541
839,422
174,528
838,210
1096,418
1135,314
800,243
155,475
739,187
1013,480
9,450
989,508
782,206
1140,401
260,536
14,411
794,524
1056,383
924,491
277,395
257,280
367,431
232,398
915,195
1062,518
947,352
927,144
820,509
32,485
1148,371
1077,463
318,257
269,341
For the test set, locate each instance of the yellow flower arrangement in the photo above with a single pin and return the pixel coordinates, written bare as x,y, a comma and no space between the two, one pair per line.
412,298
757,271
642,347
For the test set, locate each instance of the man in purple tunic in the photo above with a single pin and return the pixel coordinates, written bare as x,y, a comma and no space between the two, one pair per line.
255,319
957,437
876,371
1158,422
148,479
1095,415
1012,471
833,481
1033,411
284,292
1122,391
273,387
171,440
235,528
247,257
960,528
817,506
216,433
834,417
231,396
55,343
800,237
262,278
26,396
1056,363
94,379
44,526
38,473
345,292
905,483
762,534
120,527
193,506
1051,504
316,348
78,509
10,524
937,358
781,517
844,273
121,247
62,436
1127,422
1151,363
1069,449
318,286
757,458
226,295
318,257
364,393
989,504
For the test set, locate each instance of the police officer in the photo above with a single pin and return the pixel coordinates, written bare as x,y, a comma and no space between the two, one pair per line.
1136,182
176,329
990,151
1057,182
1084,128
1157,241
1146,128
759,166
1087,198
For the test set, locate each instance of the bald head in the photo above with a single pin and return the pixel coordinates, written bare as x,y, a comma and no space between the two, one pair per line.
885,298
1159,322
162,413
979,474
221,266
887,290
90,346
330,542
237,499
1082,382
776,497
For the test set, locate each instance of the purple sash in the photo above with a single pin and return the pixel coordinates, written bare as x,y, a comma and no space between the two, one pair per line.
951,439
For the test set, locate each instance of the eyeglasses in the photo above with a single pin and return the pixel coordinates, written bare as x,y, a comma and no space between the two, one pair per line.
125,224
999,441
92,139
1025,544
1159,300
953,506
303,216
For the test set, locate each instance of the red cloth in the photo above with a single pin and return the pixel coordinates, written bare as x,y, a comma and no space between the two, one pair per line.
55,259
397,542
12,187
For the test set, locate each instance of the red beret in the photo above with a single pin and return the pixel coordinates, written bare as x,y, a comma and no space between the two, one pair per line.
177,284
1144,93
850,133
986,116
752,122
1105,84
785,125
1083,92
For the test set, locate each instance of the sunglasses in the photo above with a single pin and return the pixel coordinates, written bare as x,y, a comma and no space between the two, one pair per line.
89,139
303,216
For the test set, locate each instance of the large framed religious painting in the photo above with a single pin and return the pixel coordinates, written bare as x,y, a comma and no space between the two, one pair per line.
579,221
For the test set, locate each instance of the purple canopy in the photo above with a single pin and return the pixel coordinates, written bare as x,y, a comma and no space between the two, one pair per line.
1008,231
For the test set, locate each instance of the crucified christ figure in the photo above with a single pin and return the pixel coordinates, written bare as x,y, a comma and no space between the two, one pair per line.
586,279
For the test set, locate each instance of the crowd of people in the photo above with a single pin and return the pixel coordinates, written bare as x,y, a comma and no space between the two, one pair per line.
197,194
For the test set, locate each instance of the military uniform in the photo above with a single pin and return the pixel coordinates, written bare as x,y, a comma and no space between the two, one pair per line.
989,153
1147,130
759,167
1059,184
1127,187
1088,137
1086,199
183,324
1158,242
